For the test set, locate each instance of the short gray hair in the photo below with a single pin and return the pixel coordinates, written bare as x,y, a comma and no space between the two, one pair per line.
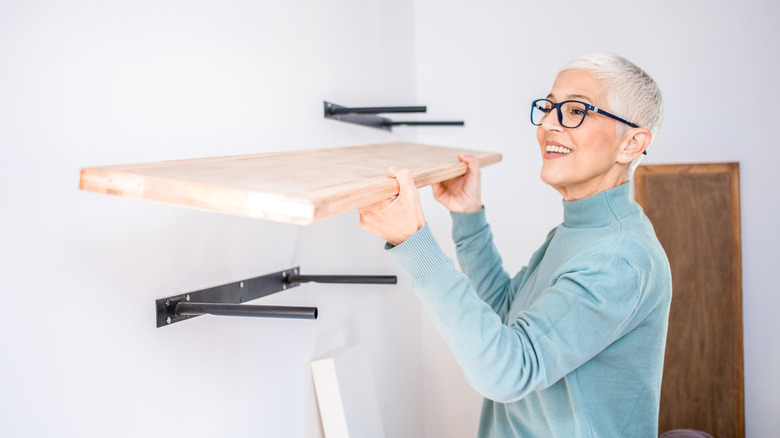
631,92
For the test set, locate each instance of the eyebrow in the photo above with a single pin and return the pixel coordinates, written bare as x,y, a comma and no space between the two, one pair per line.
573,96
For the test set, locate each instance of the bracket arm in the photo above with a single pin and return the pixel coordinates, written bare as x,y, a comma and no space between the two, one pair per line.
342,279
294,312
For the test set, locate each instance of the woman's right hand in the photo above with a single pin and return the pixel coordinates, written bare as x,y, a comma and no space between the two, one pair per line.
461,194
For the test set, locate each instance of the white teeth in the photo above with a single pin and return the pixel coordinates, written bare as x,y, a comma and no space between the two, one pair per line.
558,149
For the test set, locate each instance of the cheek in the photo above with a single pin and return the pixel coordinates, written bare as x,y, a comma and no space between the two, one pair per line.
596,143
540,135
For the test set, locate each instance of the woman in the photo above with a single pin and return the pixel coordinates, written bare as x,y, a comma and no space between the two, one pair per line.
573,344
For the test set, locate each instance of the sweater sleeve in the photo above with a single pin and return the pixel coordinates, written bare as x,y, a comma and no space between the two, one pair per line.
583,311
480,261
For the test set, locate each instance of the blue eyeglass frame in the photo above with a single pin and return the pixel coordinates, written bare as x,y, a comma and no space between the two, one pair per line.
588,107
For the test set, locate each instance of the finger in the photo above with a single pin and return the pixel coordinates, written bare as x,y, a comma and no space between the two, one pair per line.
369,224
379,205
405,180
376,209
473,166
470,160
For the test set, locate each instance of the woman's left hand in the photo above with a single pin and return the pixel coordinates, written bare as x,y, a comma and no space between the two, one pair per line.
395,220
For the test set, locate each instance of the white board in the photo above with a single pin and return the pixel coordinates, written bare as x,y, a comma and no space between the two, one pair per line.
346,396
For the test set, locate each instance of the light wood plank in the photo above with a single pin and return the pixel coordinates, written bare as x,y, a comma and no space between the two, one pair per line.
294,187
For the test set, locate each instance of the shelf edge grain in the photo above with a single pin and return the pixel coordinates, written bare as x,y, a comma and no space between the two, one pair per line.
169,182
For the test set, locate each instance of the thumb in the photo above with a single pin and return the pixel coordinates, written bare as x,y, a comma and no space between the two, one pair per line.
404,178
471,161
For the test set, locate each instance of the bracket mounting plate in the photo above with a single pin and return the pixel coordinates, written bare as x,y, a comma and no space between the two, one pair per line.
231,293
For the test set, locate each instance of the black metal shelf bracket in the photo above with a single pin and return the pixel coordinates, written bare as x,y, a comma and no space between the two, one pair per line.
367,116
228,299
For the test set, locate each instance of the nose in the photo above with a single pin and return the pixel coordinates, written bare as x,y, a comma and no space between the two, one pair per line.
551,121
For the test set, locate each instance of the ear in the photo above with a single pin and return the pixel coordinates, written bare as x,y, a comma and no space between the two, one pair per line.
635,141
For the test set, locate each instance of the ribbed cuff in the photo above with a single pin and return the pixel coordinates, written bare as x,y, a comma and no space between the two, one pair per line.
467,224
420,255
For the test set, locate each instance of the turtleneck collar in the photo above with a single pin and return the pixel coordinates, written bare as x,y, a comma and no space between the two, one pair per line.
600,209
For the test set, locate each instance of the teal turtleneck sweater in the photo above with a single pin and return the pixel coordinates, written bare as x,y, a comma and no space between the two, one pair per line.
570,346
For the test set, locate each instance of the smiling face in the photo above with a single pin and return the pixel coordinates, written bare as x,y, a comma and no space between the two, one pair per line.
591,158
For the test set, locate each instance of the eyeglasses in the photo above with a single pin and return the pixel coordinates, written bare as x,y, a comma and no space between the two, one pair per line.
571,113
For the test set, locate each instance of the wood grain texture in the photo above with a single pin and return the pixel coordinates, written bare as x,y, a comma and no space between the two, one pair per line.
295,187
695,211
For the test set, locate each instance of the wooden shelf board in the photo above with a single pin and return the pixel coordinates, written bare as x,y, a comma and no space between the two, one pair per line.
295,187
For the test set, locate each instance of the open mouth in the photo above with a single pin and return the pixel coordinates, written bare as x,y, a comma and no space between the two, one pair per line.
554,149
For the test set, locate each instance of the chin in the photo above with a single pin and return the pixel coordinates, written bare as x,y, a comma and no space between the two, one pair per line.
550,178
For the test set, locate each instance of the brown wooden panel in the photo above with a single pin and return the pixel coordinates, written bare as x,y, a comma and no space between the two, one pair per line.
695,211
297,187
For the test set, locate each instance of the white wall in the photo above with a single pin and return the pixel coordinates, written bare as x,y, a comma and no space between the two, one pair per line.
717,65
107,82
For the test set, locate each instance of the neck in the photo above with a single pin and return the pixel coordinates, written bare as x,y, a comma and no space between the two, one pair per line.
618,175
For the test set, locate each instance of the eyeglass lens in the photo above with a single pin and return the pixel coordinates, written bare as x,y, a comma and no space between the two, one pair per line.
571,113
